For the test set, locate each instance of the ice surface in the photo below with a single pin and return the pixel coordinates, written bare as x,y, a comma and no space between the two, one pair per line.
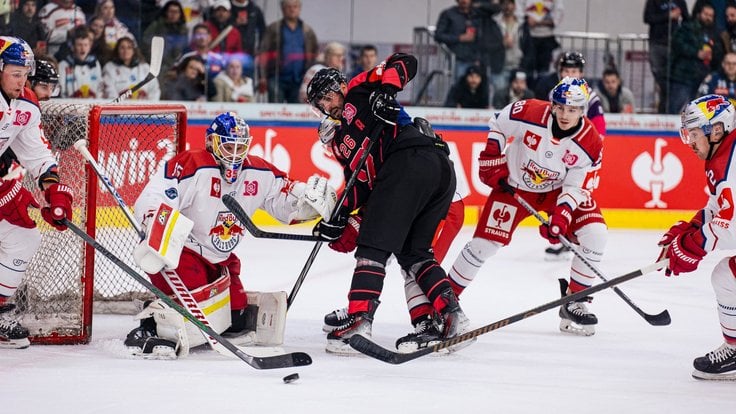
529,366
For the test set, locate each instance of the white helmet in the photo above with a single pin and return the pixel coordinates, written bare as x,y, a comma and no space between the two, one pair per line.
571,91
704,113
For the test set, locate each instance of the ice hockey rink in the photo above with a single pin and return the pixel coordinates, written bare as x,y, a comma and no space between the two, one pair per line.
529,366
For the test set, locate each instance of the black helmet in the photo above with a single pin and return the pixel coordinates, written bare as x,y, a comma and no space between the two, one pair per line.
571,60
45,72
324,81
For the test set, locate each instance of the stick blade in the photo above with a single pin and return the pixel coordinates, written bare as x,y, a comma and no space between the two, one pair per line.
660,319
294,359
157,54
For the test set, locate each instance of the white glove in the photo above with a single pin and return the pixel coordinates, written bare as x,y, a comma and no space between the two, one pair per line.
318,195
327,129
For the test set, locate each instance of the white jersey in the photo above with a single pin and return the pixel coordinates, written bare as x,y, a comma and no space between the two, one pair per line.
80,80
58,21
718,216
538,162
191,182
20,130
117,78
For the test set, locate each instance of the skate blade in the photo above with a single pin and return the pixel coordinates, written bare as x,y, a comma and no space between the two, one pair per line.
163,353
408,348
14,343
568,326
726,376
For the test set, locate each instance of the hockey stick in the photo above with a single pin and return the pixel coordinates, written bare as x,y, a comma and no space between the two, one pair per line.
295,359
351,181
157,54
660,319
370,348
169,275
232,204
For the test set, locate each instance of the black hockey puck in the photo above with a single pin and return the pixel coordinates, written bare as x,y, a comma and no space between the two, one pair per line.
291,378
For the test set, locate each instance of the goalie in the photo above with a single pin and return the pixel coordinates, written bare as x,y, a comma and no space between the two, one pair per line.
200,245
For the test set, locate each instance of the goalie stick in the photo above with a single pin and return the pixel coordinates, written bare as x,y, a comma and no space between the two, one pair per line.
232,204
370,348
294,359
348,185
660,319
157,53
169,275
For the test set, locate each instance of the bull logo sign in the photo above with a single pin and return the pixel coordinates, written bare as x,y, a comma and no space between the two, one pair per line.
226,232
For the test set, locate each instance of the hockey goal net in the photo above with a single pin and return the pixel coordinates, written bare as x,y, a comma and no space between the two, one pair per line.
65,276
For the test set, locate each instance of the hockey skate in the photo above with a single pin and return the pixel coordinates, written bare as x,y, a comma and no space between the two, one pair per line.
335,320
557,253
242,330
454,321
12,334
719,365
575,317
357,323
427,333
142,342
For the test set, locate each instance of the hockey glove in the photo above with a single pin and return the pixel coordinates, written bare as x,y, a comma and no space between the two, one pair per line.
685,253
59,197
14,202
348,241
558,223
330,230
493,169
383,104
327,129
681,227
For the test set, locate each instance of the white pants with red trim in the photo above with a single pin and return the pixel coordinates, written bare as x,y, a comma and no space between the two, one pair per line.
17,246
723,279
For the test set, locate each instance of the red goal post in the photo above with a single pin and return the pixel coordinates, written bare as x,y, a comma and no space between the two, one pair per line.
66,276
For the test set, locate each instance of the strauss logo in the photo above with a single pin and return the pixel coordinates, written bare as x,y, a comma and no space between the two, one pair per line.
275,154
657,174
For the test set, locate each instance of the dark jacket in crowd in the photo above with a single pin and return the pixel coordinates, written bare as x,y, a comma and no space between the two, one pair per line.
690,38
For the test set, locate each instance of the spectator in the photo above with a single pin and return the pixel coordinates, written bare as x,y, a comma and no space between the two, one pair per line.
100,47
190,83
728,35
664,17
127,68
510,26
722,82
489,41
615,98
131,14
333,57
516,91
171,26
218,21
25,24
60,16
231,85
695,56
541,18
456,28
719,8
200,46
193,10
367,60
80,71
114,29
248,19
470,91
289,47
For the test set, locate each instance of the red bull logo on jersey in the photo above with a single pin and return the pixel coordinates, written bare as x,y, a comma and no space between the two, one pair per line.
537,177
226,233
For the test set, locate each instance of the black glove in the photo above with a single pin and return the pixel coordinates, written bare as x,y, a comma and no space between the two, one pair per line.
332,230
384,105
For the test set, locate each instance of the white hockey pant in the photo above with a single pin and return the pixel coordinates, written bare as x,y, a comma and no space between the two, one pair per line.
17,246
470,260
724,285
592,240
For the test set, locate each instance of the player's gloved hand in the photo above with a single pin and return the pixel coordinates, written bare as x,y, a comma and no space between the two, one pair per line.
685,253
14,202
347,242
559,221
681,227
327,129
383,104
59,197
330,230
493,168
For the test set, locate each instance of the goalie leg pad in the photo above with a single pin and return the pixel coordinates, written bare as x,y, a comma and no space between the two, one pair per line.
213,300
161,334
271,317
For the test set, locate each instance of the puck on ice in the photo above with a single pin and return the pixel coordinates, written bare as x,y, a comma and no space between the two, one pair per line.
291,378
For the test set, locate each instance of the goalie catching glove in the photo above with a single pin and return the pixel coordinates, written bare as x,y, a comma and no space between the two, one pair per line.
59,197
315,198
166,232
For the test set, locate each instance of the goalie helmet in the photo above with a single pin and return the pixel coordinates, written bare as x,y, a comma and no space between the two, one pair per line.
15,51
228,139
571,91
325,81
704,113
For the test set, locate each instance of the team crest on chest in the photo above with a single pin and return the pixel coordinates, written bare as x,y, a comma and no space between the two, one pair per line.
537,177
226,232
250,188
569,158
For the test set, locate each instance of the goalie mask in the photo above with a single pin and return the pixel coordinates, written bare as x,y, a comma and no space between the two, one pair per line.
320,89
704,113
15,51
228,139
